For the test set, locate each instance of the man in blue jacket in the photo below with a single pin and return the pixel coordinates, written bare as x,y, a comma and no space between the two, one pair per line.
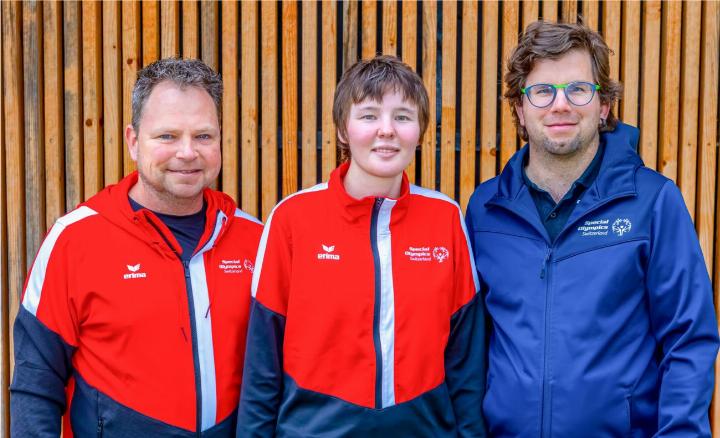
602,311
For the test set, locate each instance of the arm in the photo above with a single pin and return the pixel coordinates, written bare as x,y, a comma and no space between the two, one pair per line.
44,335
465,351
683,319
262,384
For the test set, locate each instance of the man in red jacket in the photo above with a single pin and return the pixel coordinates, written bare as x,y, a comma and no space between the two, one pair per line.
141,294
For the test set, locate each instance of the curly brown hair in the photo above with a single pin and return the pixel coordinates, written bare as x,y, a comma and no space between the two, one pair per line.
545,40
373,78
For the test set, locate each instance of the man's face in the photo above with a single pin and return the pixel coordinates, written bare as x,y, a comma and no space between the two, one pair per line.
562,128
382,136
177,148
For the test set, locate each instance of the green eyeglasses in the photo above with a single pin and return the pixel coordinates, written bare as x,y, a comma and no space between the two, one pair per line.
577,93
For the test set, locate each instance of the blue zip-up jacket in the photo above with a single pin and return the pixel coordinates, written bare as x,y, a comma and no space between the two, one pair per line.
608,331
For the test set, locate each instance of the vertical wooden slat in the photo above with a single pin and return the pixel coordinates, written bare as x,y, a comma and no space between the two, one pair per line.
488,89
569,11
269,107
368,29
309,94
169,29
650,81
509,137
705,220
209,33
54,141
409,52
329,79
150,31
631,62
34,128
13,110
611,34
230,119
389,29
112,92
249,106
351,16
130,61
530,12
447,111
670,84
550,10
468,100
590,10
73,129
4,323
92,98
688,143
190,29
429,63
289,96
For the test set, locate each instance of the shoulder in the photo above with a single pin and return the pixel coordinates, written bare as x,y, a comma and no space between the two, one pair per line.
433,199
483,193
299,202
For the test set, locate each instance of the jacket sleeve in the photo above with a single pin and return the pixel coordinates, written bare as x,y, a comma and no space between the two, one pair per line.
45,335
262,384
465,351
682,317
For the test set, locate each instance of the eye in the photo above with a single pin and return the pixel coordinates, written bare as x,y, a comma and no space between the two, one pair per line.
403,118
368,117
578,88
203,137
165,137
542,90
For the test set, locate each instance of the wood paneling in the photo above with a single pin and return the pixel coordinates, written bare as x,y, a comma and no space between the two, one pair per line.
68,70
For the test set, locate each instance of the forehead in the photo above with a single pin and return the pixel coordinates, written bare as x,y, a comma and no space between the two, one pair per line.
392,97
169,101
575,65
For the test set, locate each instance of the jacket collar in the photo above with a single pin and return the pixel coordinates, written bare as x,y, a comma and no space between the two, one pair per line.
354,210
616,175
112,203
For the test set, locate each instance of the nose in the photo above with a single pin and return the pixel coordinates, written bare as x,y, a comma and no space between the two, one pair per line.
560,103
386,128
186,149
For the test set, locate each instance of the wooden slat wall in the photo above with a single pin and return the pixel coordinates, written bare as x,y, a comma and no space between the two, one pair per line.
68,68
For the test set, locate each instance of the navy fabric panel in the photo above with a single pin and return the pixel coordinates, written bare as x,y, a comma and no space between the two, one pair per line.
262,384
308,414
42,369
93,413
465,365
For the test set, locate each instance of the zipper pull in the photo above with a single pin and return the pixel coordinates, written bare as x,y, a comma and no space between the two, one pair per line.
186,265
545,262
100,427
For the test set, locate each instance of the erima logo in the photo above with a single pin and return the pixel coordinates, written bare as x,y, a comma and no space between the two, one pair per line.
327,255
621,226
134,272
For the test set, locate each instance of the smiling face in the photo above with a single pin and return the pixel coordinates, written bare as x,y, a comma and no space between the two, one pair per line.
562,128
382,137
177,149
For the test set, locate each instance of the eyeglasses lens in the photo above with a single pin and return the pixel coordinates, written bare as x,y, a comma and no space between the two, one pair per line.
578,93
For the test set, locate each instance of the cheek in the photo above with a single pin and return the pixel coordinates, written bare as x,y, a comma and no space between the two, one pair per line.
409,135
359,135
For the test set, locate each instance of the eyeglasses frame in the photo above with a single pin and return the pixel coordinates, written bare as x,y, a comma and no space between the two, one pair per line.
555,87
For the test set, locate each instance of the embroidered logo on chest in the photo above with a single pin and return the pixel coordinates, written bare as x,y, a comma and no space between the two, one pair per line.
236,266
427,253
134,272
602,227
328,253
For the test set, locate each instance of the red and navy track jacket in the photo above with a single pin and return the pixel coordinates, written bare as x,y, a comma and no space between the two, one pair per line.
155,345
365,319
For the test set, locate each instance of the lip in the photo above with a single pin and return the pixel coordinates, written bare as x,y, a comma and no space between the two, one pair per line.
184,171
386,149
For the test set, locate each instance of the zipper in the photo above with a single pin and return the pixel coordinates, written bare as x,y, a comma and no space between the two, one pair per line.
193,331
100,426
378,298
546,399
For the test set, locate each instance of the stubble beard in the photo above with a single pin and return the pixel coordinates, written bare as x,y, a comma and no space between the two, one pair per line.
566,149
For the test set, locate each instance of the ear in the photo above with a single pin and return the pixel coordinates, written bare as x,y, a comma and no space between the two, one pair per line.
604,110
342,138
521,116
131,139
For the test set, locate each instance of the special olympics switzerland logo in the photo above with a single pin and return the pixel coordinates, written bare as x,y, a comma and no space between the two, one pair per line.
621,226
440,253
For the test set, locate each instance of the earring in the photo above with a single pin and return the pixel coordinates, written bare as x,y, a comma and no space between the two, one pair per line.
603,122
